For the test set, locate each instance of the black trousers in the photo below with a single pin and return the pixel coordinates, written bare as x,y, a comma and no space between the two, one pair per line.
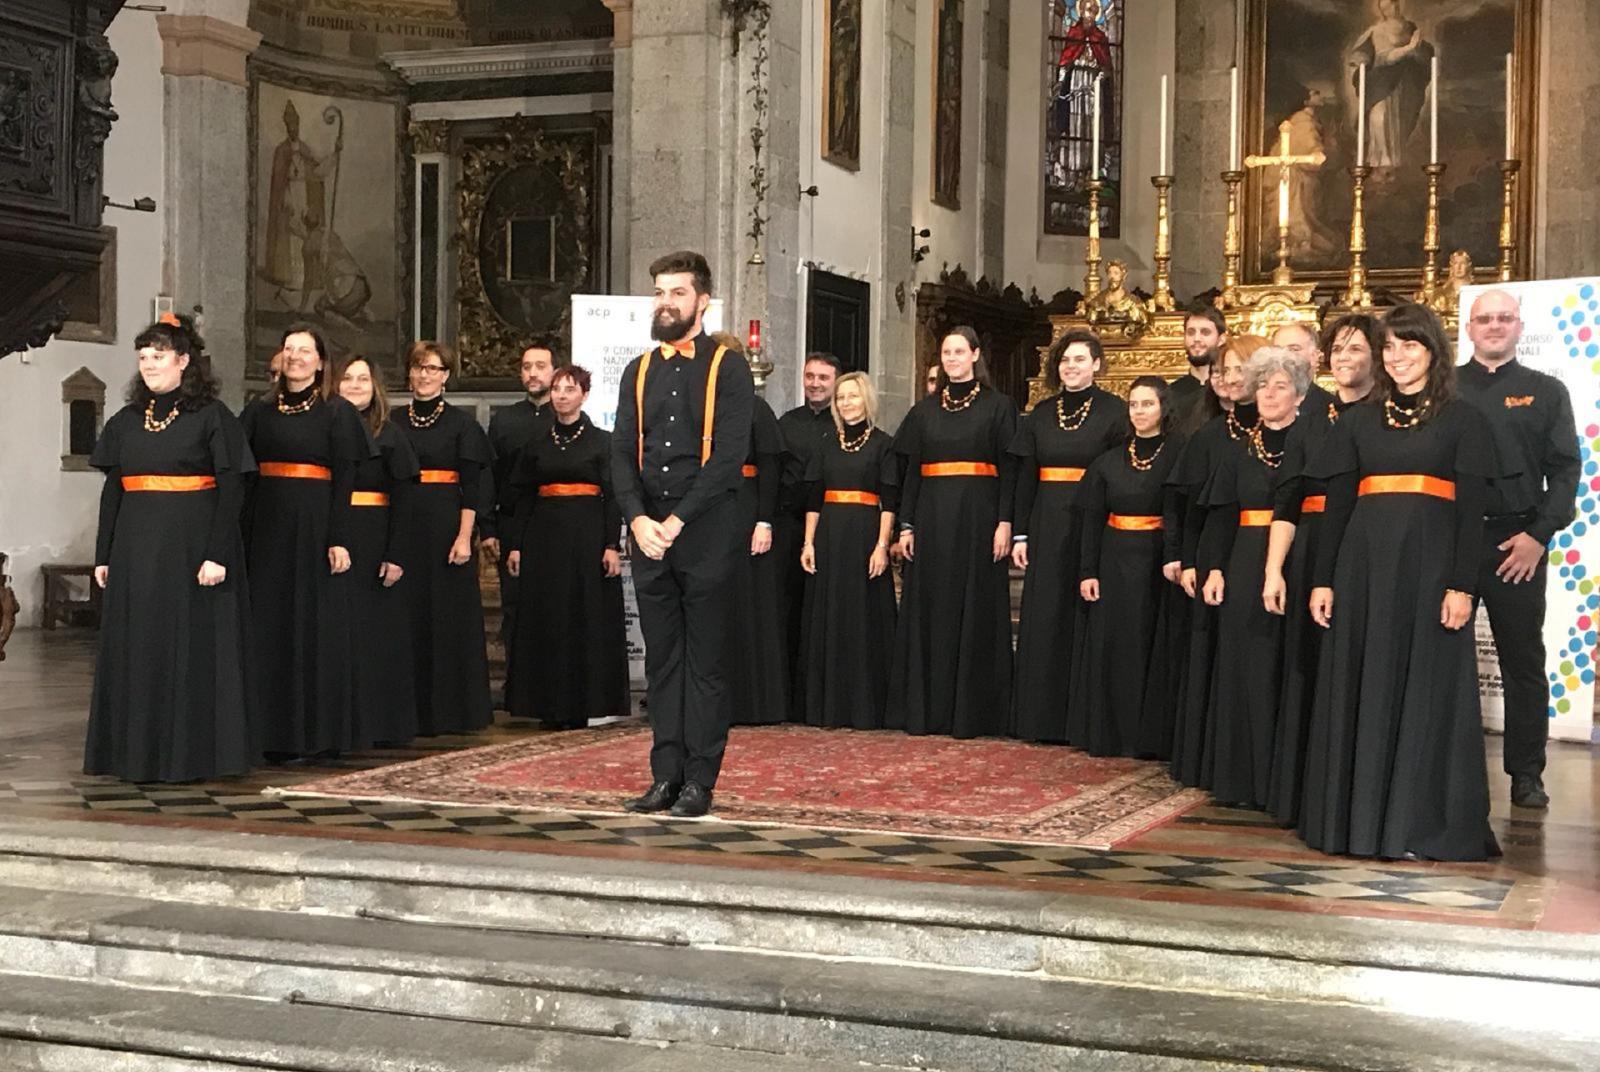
508,619
685,613
788,534
1516,617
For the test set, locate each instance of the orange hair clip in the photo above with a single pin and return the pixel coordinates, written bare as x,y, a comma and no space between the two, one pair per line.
171,320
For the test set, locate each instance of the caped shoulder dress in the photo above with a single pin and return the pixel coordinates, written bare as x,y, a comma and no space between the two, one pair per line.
1395,755
1054,445
171,701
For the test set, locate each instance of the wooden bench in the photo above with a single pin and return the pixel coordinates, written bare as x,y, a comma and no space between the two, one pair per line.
59,606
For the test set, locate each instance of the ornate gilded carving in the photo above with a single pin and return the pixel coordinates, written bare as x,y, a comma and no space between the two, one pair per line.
94,115
429,136
1158,351
490,343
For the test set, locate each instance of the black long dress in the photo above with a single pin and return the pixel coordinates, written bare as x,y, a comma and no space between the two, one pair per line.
1236,759
1055,443
951,671
1121,666
1206,450
301,610
1395,759
171,699
385,699
848,623
1300,501
566,519
760,675
449,657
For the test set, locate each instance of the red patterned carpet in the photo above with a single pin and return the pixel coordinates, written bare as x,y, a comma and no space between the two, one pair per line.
799,776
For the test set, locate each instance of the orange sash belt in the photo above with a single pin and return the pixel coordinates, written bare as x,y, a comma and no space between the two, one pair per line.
1313,504
750,471
1060,474
296,471
1255,518
564,491
858,498
439,476
368,498
1408,484
1135,522
168,483
960,469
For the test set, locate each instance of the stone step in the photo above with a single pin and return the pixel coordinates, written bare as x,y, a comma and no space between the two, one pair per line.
1396,965
65,1025
822,1008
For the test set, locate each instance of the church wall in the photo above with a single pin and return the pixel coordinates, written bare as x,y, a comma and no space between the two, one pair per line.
1049,263
47,515
955,231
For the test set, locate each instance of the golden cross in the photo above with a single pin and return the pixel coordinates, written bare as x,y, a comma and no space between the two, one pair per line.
1283,160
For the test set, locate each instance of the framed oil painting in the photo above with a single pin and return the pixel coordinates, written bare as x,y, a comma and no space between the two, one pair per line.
1302,64
841,83
947,57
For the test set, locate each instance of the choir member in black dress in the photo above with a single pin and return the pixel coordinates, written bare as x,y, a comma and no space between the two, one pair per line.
1395,761
1054,444
171,699
298,535
1204,331
449,659
1530,414
1352,343
930,387
759,680
951,671
511,428
572,653
849,609
1122,666
385,702
681,438
1246,683
1221,424
806,428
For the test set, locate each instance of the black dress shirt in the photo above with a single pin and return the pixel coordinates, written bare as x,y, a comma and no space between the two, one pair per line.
510,430
671,479
1530,414
805,431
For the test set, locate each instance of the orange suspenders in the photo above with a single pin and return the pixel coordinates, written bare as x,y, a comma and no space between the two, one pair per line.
711,403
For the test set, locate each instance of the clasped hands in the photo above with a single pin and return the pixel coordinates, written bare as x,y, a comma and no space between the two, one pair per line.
653,537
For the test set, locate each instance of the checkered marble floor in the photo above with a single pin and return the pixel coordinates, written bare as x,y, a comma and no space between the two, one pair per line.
1327,880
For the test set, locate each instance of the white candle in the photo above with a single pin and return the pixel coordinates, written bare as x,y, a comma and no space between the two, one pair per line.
1511,144
1095,172
1283,203
1361,116
1233,119
1163,169
1433,113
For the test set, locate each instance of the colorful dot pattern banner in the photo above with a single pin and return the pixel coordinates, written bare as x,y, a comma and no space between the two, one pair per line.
1561,336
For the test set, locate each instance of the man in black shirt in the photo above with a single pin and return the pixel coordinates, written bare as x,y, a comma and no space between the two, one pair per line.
684,413
1203,331
1299,337
512,428
804,428
1531,416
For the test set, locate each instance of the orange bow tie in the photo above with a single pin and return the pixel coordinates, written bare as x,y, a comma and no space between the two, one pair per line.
669,351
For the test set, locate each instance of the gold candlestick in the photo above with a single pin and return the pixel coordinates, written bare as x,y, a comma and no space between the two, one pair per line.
1508,217
1091,257
1356,295
1162,301
1230,240
1430,239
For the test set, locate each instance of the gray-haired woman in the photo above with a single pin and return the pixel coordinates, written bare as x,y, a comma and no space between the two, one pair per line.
1247,674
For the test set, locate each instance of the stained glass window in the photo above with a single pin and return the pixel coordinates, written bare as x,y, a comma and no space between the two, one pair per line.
1084,43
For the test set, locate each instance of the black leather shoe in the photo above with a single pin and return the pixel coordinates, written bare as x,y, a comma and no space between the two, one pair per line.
659,797
1527,791
695,800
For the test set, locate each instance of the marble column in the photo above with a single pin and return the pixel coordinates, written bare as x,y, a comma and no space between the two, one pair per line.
1205,38
996,82
207,181
621,138
894,341
1567,195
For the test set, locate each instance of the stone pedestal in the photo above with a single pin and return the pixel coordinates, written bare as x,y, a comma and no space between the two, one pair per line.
207,181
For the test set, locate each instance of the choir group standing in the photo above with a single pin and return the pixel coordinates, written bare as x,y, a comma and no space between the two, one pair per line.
300,580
